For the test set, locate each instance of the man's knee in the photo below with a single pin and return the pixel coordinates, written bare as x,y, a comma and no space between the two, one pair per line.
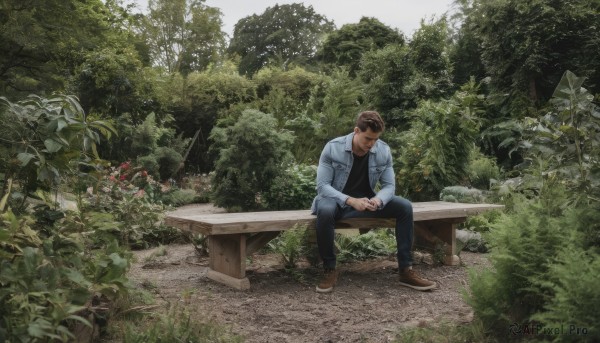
326,208
401,205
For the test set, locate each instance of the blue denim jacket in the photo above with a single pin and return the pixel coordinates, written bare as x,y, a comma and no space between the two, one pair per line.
335,165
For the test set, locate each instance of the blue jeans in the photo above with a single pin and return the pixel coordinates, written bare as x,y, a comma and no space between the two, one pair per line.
328,211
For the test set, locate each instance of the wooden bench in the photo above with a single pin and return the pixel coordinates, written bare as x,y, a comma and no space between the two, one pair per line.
233,236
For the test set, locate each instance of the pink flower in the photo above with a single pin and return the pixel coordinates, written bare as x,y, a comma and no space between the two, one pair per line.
122,177
125,165
139,194
112,178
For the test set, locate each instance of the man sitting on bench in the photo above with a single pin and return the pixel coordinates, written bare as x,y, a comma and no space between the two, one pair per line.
349,169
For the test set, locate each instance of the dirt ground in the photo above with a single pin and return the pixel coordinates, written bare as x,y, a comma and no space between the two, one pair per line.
367,305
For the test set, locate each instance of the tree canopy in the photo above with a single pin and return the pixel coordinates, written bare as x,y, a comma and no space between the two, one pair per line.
282,34
346,46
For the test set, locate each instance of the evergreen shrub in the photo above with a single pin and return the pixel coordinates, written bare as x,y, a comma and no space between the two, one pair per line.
293,190
253,153
524,246
169,162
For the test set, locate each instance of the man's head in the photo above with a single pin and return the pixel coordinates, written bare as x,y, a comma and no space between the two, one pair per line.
370,120
369,127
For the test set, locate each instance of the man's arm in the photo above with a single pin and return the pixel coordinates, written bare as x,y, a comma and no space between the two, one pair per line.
387,180
325,173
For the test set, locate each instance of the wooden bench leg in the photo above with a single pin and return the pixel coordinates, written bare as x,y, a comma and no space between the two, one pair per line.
447,233
430,233
227,254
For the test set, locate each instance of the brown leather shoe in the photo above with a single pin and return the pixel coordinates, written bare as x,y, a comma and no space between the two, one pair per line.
411,278
328,281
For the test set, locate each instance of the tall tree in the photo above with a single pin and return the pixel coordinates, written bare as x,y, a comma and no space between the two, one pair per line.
183,35
41,41
527,45
347,45
283,33
429,50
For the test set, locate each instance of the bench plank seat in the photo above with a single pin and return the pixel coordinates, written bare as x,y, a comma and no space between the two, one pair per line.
233,236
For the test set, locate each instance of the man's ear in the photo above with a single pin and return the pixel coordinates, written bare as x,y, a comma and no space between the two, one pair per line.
356,130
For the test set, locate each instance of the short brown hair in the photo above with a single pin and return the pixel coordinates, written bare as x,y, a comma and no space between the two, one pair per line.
370,119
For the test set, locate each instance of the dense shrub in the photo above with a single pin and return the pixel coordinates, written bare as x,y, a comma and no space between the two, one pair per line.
253,154
524,246
462,194
483,170
180,197
295,189
435,151
169,162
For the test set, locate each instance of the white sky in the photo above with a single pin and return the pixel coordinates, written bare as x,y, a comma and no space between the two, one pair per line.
404,15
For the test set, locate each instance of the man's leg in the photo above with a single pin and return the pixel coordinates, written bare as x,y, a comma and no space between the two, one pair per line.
327,213
401,209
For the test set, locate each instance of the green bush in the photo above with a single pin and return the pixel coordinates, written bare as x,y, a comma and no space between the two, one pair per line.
291,245
482,170
150,165
176,327
462,194
293,190
180,197
524,246
435,151
169,162
253,154
49,278
361,247
575,297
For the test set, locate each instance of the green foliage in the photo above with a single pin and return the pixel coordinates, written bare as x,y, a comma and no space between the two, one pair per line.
37,59
294,189
176,326
462,194
330,112
48,278
539,40
524,246
183,35
361,247
282,34
386,73
482,222
197,102
285,93
180,197
291,245
443,332
435,151
429,48
112,81
574,281
568,138
169,162
345,46
253,154
149,164
483,170
46,139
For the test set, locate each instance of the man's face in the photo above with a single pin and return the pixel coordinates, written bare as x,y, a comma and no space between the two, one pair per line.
364,141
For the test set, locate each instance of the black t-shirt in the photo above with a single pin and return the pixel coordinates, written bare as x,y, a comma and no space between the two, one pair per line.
358,185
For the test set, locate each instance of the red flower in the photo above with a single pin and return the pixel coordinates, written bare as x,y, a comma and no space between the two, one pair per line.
144,173
125,165
122,177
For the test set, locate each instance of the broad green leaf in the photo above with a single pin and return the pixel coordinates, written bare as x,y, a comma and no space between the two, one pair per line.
52,145
569,85
25,158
